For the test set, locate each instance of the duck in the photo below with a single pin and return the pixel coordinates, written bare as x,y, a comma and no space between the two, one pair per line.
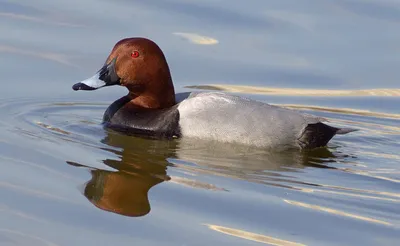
153,109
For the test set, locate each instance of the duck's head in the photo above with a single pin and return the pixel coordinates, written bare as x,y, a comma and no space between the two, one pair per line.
139,65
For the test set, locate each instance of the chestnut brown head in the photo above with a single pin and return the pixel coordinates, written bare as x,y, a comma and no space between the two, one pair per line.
139,65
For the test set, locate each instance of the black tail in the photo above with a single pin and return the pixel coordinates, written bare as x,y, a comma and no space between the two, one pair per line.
318,135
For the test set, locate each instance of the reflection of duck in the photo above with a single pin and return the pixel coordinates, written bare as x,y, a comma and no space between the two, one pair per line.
140,168
253,165
142,164
120,192
151,107
246,160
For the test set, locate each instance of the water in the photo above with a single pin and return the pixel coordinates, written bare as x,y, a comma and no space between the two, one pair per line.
68,181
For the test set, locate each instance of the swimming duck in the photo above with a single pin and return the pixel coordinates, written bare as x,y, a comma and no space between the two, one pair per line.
153,109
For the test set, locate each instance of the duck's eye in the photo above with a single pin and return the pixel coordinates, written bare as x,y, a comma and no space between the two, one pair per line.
135,54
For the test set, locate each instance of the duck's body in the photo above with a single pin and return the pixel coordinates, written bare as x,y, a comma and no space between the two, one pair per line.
152,108
222,117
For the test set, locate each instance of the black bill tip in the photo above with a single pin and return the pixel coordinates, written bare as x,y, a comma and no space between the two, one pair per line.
82,86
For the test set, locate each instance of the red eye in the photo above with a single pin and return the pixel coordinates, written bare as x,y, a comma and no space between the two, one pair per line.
135,54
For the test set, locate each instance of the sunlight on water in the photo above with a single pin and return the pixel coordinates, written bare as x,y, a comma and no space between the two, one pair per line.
197,39
341,213
297,91
252,236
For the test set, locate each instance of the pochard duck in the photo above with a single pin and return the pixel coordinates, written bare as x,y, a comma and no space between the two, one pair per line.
153,109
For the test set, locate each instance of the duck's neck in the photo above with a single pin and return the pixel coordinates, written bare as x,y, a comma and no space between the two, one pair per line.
154,97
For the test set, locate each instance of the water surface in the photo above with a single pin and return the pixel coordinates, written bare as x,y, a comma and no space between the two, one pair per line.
68,181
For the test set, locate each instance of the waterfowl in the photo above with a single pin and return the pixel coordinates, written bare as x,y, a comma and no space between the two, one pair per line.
152,108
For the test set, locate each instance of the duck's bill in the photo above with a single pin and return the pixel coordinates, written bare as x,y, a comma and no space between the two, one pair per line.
106,76
89,84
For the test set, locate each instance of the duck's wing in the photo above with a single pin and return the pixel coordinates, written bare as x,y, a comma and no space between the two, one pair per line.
229,118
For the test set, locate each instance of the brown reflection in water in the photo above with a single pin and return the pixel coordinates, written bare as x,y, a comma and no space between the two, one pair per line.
119,192
140,167
142,164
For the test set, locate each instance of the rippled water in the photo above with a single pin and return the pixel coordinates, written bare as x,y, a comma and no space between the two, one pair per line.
63,171
66,180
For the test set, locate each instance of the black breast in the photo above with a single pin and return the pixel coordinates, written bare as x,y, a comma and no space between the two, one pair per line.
159,123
